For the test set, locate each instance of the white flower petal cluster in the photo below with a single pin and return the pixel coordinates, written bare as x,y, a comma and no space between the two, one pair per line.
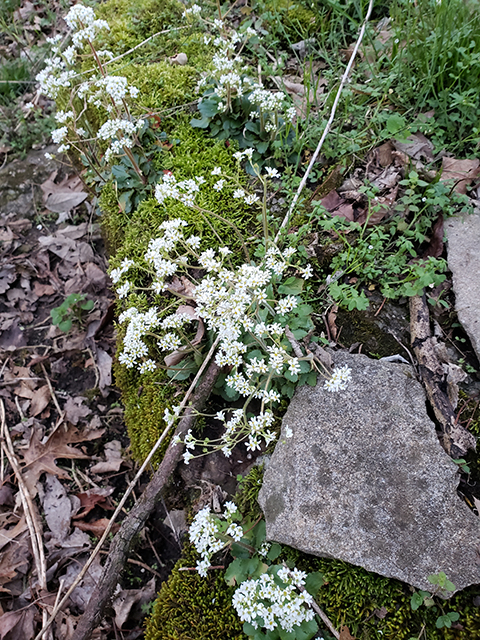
134,348
339,379
204,534
183,191
275,605
84,25
54,77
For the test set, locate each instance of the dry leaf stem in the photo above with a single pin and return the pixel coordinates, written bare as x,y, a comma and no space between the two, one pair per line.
29,510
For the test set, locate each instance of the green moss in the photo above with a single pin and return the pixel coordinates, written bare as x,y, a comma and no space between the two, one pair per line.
189,607
162,85
145,398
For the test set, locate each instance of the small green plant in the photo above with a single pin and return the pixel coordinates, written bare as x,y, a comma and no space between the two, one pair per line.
273,600
390,253
443,588
71,310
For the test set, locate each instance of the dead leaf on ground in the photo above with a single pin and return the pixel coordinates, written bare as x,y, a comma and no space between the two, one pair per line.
113,458
15,558
7,535
64,196
93,498
8,275
417,147
40,399
463,172
18,625
81,594
331,321
40,457
96,527
75,410
345,633
126,598
57,507
435,246
104,364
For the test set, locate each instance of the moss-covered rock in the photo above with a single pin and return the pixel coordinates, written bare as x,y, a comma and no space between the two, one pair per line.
189,607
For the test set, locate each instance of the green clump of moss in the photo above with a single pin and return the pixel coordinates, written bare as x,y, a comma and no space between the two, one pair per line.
190,607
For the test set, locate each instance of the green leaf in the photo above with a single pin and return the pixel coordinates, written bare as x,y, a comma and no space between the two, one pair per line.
306,630
208,108
261,147
259,532
286,635
249,629
65,325
313,583
312,379
200,123
87,305
292,286
453,615
274,551
237,551
236,572
416,601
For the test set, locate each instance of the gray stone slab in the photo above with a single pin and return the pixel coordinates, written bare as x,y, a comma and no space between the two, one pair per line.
463,234
365,480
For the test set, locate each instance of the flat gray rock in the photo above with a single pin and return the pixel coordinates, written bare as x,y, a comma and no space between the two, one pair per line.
365,480
463,233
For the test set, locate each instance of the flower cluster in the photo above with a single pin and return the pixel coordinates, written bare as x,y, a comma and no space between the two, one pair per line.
210,533
106,92
339,379
270,107
273,601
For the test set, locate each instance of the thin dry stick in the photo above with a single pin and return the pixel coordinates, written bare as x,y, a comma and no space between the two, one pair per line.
159,33
129,490
52,393
28,509
330,121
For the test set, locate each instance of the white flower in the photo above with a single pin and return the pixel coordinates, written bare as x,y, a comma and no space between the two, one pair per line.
271,173
238,193
339,379
235,531
288,432
59,134
286,305
218,186
251,199
217,171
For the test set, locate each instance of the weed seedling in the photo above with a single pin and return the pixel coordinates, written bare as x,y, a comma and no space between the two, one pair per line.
71,310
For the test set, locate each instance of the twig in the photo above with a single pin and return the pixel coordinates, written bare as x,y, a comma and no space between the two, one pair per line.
138,564
52,393
329,123
159,33
100,596
28,509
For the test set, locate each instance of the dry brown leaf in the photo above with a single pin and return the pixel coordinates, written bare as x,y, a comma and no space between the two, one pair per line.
113,458
384,154
15,558
416,147
62,197
7,535
40,399
345,633
435,246
8,275
43,289
126,598
331,321
463,172
75,410
92,498
56,507
18,625
104,364
40,457
96,527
